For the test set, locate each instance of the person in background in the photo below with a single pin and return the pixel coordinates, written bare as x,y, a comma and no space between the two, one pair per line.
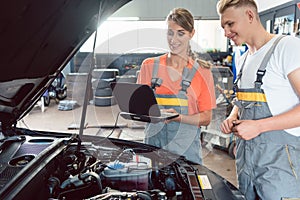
238,51
183,84
266,115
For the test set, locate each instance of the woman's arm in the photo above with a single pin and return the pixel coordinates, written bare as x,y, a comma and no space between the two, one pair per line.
200,119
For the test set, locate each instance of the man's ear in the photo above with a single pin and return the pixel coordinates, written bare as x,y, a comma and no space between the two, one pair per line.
250,15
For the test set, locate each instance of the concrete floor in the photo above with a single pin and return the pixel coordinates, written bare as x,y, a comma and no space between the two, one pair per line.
99,121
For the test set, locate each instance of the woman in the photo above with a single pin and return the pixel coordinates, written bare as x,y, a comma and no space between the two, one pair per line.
183,84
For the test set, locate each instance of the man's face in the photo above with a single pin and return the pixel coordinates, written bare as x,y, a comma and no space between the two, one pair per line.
235,24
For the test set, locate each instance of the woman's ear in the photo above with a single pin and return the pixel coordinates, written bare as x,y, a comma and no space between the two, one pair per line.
192,33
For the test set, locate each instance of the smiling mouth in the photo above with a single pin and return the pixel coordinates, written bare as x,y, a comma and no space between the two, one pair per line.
232,37
174,46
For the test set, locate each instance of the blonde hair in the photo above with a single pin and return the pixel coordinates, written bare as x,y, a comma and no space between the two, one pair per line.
222,5
185,19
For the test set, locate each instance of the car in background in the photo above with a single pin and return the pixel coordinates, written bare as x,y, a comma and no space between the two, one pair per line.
38,39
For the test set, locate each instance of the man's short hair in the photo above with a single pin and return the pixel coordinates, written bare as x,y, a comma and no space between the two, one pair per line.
224,4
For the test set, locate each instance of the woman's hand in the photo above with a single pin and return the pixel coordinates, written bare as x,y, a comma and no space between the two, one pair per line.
172,110
199,119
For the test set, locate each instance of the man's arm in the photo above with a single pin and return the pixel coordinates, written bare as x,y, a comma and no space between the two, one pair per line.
248,129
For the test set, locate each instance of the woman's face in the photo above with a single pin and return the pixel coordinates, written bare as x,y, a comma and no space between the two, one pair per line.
178,38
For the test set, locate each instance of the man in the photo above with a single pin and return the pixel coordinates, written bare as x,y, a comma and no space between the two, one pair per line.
266,115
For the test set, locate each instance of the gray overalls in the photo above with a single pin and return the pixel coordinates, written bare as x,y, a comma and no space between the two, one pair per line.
182,139
268,166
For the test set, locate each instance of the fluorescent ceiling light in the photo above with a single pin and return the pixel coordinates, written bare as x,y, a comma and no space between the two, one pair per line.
123,18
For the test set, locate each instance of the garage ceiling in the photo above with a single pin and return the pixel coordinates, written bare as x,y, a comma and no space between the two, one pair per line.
159,9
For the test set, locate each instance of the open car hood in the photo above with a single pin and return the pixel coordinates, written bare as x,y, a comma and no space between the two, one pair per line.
38,38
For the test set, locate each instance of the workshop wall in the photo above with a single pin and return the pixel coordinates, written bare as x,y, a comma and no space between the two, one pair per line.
150,36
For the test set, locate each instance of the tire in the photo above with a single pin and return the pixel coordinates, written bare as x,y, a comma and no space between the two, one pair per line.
126,79
101,83
232,149
61,95
46,100
104,101
105,92
104,73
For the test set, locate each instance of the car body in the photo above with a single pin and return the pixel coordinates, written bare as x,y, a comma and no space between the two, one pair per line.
38,39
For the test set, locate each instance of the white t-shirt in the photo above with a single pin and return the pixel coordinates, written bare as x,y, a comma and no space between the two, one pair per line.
279,93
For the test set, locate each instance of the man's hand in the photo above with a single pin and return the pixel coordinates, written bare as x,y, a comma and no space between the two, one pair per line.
245,129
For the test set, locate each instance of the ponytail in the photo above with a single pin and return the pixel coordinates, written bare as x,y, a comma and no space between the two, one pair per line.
201,62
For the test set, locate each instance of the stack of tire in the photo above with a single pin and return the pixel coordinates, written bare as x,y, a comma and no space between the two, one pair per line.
126,78
129,77
102,93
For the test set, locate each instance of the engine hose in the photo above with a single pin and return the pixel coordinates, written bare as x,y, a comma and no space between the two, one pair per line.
79,180
96,176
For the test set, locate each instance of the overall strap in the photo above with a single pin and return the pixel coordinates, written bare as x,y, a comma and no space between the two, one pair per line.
240,72
262,68
188,75
155,81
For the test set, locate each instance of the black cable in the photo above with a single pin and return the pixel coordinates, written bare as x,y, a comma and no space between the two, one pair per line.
115,126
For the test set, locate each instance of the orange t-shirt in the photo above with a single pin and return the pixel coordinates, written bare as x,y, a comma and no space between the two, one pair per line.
201,93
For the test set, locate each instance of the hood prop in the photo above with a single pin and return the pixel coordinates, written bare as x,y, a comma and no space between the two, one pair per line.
88,84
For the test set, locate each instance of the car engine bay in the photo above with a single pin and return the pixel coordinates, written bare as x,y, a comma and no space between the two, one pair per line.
109,173
100,169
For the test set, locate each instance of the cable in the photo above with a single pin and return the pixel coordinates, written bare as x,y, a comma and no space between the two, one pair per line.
115,126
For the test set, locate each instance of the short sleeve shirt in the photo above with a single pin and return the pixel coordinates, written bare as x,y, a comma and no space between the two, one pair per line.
201,94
